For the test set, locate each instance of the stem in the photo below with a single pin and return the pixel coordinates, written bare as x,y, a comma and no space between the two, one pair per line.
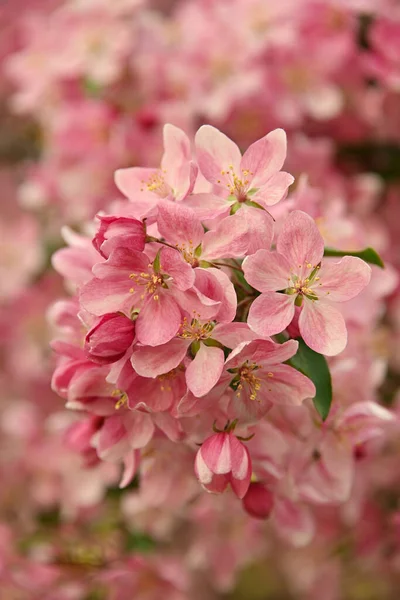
153,239
218,264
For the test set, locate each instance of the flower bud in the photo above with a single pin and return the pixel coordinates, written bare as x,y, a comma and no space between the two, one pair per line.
223,459
116,231
258,501
110,338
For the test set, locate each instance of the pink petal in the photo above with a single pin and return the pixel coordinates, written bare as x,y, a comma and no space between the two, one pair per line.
203,473
363,421
112,432
265,157
322,327
262,352
216,285
158,321
207,206
343,280
120,263
170,426
216,453
300,242
232,334
271,313
286,386
131,464
266,271
205,370
132,182
180,171
151,361
176,147
101,296
216,153
179,224
260,228
173,264
274,190
230,239
140,429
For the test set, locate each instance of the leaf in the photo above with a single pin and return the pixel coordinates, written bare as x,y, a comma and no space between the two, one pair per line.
314,365
368,254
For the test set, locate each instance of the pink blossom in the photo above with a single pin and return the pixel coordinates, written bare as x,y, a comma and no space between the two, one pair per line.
223,459
174,180
131,283
256,372
255,177
296,270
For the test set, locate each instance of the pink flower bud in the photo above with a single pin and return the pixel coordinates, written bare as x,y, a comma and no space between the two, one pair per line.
223,459
258,501
116,231
110,338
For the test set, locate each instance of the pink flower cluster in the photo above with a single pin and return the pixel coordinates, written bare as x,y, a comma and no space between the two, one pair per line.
167,351
220,333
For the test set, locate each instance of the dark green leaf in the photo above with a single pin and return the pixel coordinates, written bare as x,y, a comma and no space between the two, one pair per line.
368,254
314,366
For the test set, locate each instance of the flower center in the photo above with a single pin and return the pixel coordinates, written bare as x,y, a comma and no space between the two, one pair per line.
188,253
121,397
150,281
245,375
195,330
237,185
303,286
166,378
157,184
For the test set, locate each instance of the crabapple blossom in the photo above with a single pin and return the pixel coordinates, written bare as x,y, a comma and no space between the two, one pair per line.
186,354
296,275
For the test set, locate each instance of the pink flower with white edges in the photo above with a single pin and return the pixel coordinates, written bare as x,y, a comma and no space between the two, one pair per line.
223,459
174,180
296,270
255,177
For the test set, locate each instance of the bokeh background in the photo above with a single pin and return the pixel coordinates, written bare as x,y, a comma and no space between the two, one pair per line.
85,88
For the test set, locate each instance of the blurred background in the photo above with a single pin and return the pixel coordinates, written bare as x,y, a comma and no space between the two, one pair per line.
85,88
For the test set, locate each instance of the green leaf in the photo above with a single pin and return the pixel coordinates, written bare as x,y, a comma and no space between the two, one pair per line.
157,262
368,254
314,366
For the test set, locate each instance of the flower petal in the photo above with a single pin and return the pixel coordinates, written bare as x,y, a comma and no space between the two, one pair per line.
343,280
322,327
205,370
216,153
179,225
266,271
286,385
300,242
207,206
260,228
265,157
274,190
271,313
151,361
172,263
158,321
